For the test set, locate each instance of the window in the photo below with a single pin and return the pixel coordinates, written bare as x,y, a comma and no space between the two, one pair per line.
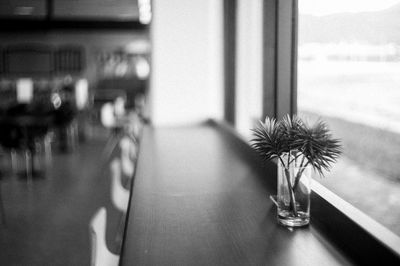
349,74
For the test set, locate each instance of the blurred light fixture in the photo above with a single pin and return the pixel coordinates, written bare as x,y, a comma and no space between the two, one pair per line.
144,11
140,46
24,90
107,115
81,93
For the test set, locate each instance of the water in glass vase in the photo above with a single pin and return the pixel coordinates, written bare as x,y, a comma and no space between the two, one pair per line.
293,199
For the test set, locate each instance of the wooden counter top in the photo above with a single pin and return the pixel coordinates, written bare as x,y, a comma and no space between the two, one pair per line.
200,198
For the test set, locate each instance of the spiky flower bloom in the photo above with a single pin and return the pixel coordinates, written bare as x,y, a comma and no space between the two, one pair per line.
267,139
290,126
290,135
272,139
318,146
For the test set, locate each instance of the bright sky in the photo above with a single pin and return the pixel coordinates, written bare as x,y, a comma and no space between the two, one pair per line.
325,7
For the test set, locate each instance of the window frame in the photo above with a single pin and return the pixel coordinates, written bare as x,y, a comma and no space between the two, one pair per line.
229,60
359,236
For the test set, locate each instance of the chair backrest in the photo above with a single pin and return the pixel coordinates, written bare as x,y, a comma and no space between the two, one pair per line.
135,124
119,195
128,156
128,146
100,255
119,106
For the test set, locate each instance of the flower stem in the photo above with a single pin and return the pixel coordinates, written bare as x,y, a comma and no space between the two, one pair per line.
299,174
290,189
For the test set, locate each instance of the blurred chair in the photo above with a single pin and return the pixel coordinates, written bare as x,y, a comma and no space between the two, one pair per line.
101,256
102,98
119,195
128,156
25,134
113,116
108,120
105,95
134,126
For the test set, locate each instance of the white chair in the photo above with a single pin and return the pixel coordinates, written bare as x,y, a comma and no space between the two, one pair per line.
128,156
119,195
101,256
135,125
108,120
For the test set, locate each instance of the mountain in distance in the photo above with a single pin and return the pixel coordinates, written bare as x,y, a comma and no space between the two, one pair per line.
379,27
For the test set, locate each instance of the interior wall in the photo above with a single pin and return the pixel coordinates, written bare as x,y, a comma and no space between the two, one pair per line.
186,82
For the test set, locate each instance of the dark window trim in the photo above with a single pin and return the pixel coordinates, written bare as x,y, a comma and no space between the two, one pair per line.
269,57
229,29
357,234
279,58
295,20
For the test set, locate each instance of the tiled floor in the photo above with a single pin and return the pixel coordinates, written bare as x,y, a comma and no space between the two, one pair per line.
47,222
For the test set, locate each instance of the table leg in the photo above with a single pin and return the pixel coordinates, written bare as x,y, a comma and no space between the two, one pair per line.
28,166
47,150
2,212
14,166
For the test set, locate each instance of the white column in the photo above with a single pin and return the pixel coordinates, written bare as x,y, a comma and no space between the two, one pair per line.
249,64
186,80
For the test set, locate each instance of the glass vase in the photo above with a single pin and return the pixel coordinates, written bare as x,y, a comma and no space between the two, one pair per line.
294,188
